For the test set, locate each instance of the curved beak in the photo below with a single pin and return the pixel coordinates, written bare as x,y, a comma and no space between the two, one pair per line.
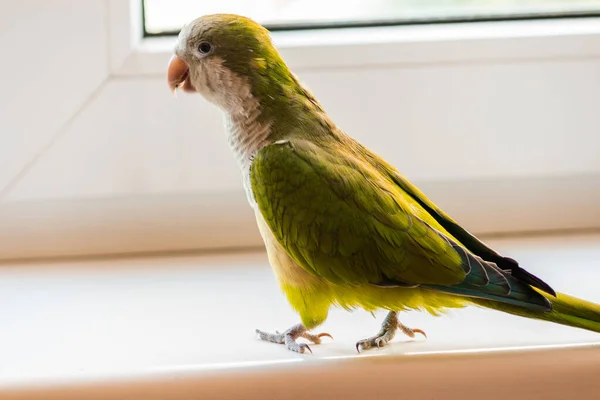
178,75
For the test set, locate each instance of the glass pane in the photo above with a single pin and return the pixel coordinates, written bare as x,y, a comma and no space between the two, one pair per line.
170,15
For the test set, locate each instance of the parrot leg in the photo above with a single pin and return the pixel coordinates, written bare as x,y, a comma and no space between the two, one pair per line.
386,334
289,338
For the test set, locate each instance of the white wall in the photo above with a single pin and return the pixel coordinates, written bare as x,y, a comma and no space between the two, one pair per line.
499,124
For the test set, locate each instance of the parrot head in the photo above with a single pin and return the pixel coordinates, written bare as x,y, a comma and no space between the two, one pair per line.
226,58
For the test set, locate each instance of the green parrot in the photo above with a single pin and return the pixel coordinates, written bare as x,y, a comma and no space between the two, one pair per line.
340,225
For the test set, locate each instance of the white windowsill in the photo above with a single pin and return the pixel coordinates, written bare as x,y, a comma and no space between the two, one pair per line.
133,327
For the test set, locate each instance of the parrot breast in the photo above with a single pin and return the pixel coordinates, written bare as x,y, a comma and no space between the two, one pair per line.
246,136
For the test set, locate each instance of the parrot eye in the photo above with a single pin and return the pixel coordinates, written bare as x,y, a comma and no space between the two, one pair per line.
204,47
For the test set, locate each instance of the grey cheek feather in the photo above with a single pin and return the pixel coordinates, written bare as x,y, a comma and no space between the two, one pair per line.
246,133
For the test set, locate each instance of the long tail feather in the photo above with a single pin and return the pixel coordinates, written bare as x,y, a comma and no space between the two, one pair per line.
566,310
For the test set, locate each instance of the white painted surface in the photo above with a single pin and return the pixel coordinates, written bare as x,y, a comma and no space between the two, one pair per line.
54,59
121,320
150,142
462,103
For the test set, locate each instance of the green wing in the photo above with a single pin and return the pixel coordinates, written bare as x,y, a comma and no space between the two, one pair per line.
472,243
344,221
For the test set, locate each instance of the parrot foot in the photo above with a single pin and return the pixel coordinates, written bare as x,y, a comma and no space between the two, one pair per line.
289,338
387,333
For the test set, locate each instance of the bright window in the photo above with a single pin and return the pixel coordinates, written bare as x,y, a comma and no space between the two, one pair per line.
167,16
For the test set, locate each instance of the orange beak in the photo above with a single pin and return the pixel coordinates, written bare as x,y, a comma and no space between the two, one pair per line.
178,75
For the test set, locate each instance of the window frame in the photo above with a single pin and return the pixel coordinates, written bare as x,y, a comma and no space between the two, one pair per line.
517,16
132,54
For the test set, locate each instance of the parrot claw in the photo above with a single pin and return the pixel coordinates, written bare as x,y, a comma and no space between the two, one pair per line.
289,338
316,339
411,332
378,341
302,346
387,333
